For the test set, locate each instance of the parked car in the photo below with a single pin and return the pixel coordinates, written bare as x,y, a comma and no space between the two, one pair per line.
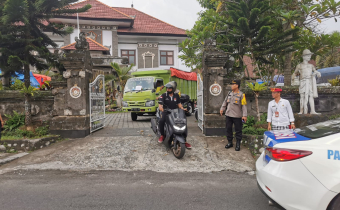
300,169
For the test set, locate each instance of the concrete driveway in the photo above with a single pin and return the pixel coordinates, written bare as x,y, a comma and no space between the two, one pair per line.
132,146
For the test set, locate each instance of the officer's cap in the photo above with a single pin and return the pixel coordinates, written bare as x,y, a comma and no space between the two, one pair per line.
276,89
238,82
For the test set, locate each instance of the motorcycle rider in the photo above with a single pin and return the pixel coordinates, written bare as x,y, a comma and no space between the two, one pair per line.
172,101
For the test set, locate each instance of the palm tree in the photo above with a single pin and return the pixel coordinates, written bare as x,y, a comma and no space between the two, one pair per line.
123,74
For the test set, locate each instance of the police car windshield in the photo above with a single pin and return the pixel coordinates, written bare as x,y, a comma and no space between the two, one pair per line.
139,84
320,130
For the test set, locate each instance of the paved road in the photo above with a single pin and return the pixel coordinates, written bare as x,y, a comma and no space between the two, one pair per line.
87,173
45,190
117,124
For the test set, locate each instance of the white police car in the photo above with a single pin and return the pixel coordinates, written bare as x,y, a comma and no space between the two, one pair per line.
300,169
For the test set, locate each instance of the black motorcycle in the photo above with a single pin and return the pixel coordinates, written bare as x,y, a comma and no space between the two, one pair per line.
175,130
187,104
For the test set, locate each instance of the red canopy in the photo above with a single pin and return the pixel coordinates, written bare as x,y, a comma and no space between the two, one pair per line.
42,78
183,75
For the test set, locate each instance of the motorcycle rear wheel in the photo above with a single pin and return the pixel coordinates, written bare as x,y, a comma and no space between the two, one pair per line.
179,153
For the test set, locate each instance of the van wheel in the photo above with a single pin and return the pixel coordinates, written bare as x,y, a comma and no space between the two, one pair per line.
134,116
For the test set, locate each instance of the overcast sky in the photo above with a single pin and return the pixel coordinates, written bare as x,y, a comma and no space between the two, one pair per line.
183,13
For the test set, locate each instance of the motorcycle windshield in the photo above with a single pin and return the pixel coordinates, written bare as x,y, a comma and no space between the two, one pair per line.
178,116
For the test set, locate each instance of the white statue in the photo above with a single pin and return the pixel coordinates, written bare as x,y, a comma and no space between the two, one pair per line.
307,90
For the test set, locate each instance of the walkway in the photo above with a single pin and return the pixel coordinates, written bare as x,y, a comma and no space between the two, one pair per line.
123,120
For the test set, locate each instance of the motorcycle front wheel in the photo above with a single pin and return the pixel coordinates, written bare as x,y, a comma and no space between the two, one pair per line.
179,153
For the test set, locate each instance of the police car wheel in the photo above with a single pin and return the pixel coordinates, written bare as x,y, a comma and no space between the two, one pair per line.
335,204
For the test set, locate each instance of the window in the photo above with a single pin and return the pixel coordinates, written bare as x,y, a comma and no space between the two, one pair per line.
167,57
130,54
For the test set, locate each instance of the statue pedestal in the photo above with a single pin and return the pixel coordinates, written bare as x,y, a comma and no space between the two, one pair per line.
302,120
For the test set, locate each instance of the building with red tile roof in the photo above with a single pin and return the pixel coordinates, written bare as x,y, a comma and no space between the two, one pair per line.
146,24
146,41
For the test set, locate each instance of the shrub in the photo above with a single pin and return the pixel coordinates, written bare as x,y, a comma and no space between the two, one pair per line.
334,82
249,131
42,131
250,122
14,121
260,131
17,84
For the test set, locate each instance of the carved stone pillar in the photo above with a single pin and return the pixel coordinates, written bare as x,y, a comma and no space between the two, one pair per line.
214,92
71,110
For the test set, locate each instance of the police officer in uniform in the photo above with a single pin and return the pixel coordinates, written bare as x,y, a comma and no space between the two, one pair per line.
235,104
172,101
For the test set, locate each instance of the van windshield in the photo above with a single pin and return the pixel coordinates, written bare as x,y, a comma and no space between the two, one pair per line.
320,130
139,84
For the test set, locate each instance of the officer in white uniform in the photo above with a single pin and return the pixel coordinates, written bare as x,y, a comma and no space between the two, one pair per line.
280,113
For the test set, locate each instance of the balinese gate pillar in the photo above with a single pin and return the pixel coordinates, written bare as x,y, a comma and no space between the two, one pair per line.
71,111
214,91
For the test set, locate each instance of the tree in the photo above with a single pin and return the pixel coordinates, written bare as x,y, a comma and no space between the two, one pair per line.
123,75
331,51
306,14
240,28
205,27
257,88
22,38
250,31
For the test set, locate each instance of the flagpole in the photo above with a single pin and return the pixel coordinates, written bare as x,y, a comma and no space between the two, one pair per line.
78,24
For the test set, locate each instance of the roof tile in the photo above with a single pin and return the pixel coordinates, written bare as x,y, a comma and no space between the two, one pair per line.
98,10
145,23
94,46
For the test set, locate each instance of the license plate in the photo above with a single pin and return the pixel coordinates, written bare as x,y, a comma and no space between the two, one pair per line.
135,109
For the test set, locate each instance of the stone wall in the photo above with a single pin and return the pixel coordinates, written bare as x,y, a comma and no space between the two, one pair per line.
328,101
42,104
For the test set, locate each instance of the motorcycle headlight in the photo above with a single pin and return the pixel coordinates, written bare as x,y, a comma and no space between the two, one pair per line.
180,128
150,103
125,104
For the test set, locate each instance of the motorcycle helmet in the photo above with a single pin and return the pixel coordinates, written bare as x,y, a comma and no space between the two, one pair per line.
174,84
170,85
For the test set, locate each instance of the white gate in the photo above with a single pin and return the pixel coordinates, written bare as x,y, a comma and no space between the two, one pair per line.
97,103
200,101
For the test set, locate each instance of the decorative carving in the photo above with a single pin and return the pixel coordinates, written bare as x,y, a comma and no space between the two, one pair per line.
91,35
75,91
148,45
215,89
67,74
81,43
82,74
148,53
82,112
35,109
67,112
